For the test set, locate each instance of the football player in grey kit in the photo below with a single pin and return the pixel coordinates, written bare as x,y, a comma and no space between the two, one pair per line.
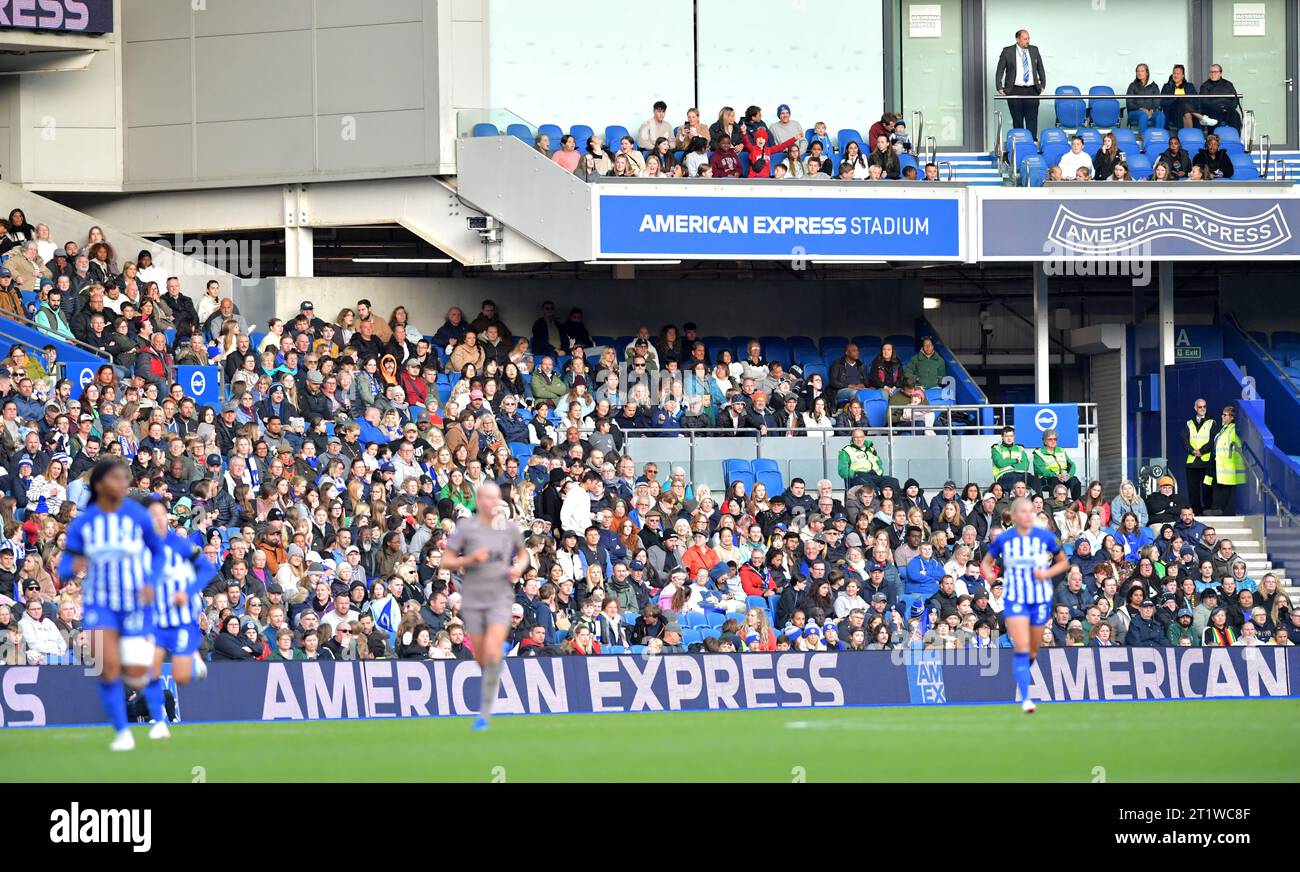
487,552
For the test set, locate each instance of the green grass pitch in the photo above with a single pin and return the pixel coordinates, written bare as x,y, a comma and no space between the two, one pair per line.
1079,742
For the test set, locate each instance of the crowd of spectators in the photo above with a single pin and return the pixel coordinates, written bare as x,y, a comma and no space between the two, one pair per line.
324,487
742,147
1109,163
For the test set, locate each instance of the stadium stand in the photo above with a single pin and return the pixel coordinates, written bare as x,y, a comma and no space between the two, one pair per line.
343,452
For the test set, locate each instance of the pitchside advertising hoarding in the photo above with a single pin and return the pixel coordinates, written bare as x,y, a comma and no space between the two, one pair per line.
1208,222
295,691
62,16
780,222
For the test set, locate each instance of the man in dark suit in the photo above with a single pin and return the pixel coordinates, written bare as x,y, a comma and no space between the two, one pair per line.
1020,73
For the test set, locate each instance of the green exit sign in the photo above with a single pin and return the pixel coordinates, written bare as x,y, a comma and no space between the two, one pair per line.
1186,352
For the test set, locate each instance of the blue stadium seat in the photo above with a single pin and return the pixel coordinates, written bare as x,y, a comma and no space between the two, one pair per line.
875,411
554,132
1091,139
1227,134
694,619
520,132
1102,106
714,619
902,340
1033,170
1126,139
617,649
775,349
847,135
865,342
1155,141
614,133
1243,166
833,346
768,471
1020,143
756,602
1286,337
638,649
691,636
907,160
735,469
1070,109
1139,165
740,346
1192,138
1053,152
819,367
484,128
581,132
1233,147
1053,135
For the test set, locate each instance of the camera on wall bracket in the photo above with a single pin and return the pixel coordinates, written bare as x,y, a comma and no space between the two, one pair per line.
489,231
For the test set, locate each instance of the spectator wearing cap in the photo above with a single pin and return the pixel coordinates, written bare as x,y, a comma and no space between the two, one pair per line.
10,300
1144,631
1164,506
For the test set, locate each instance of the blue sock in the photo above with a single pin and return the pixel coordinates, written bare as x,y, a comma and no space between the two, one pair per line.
1020,667
153,697
114,702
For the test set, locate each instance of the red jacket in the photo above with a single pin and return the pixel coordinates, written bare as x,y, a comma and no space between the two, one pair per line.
755,584
697,558
755,151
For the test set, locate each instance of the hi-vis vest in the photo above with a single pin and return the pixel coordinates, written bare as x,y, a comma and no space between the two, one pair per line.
1229,465
1056,461
1198,438
1009,458
862,459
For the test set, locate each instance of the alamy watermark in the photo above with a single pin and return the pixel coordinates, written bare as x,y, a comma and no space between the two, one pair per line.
1132,263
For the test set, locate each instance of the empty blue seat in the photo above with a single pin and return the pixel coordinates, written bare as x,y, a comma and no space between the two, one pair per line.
616,649
834,346
819,367
522,450
1286,337
714,619
1020,144
865,342
1102,106
1091,139
1053,152
1053,134
875,411
768,472
1243,166
756,602
1227,134
901,340
1070,108
582,133
847,135
1192,139
1233,146
614,133
694,619
1155,141
692,636
735,469
485,128
520,132
1032,171
1139,165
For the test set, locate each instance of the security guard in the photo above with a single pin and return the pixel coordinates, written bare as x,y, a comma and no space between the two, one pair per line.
1053,465
1198,440
1229,465
860,464
1011,463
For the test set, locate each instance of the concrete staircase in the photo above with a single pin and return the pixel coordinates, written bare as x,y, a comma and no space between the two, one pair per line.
1246,533
973,167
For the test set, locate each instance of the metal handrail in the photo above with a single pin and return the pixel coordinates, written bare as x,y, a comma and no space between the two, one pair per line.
1122,97
1265,494
918,125
943,428
74,341
998,146
1266,141
1264,352
932,148
952,173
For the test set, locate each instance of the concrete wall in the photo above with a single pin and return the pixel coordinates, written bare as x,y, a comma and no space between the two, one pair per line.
618,307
